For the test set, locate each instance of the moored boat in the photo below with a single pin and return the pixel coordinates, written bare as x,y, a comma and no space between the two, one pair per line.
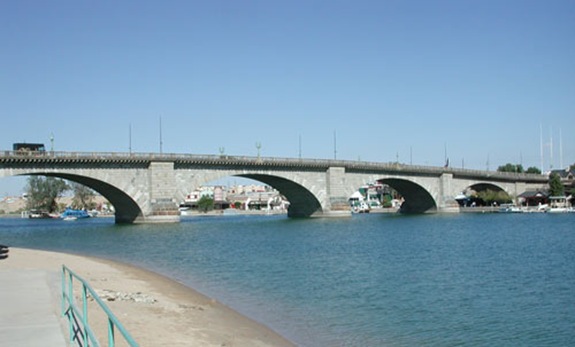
510,208
37,214
71,214
559,204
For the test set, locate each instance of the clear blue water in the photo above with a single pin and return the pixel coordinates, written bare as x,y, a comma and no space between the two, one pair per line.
369,280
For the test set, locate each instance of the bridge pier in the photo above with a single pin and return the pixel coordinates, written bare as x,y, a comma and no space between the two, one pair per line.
163,207
446,201
338,205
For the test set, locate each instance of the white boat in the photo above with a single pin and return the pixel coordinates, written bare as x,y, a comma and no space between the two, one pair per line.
185,210
510,208
37,214
558,210
360,207
558,204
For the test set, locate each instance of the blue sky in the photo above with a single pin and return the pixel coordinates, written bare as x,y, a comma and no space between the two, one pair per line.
387,80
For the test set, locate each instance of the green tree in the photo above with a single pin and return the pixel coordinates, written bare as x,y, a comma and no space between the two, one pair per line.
43,192
555,186
83,196
511,168
386,201
491,196
533,170
205,204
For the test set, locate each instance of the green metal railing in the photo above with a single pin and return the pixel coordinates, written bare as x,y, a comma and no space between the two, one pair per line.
79,328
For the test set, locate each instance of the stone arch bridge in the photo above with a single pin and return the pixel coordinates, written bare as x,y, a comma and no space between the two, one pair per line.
149,187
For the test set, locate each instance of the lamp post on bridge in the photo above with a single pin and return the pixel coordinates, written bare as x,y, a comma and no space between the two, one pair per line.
258,146
334,146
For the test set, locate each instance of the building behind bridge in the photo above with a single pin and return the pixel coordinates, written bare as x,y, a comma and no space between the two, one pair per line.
251,197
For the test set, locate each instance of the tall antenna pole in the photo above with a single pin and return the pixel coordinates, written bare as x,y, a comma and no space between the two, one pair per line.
130,138
551,148
161,143
560,149
541,146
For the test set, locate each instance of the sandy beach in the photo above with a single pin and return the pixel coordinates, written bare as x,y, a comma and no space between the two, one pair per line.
170,315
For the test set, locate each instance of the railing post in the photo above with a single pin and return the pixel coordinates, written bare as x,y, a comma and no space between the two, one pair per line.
70,299
111,339
63,286
85,313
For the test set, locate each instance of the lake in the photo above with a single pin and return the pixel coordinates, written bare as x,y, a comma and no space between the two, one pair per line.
369,280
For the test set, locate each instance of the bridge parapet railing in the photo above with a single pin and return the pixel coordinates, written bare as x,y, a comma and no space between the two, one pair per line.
354,164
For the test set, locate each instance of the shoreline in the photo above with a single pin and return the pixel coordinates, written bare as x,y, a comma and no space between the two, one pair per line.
176,315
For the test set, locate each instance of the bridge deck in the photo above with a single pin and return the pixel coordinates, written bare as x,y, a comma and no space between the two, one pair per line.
15,159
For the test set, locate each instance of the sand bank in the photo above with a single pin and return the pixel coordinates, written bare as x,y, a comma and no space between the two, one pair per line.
171,314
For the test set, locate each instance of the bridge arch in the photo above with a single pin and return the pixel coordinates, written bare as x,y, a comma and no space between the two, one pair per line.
303,200
482,186
303,203
126,209
475,195
417,198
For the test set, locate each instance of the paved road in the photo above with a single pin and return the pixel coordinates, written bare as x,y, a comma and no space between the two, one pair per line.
29,314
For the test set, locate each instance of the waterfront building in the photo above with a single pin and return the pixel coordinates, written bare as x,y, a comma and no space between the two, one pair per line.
243,197
567,177
533,198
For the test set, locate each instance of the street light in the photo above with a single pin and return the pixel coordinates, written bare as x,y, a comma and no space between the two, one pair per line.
258,146
334,146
